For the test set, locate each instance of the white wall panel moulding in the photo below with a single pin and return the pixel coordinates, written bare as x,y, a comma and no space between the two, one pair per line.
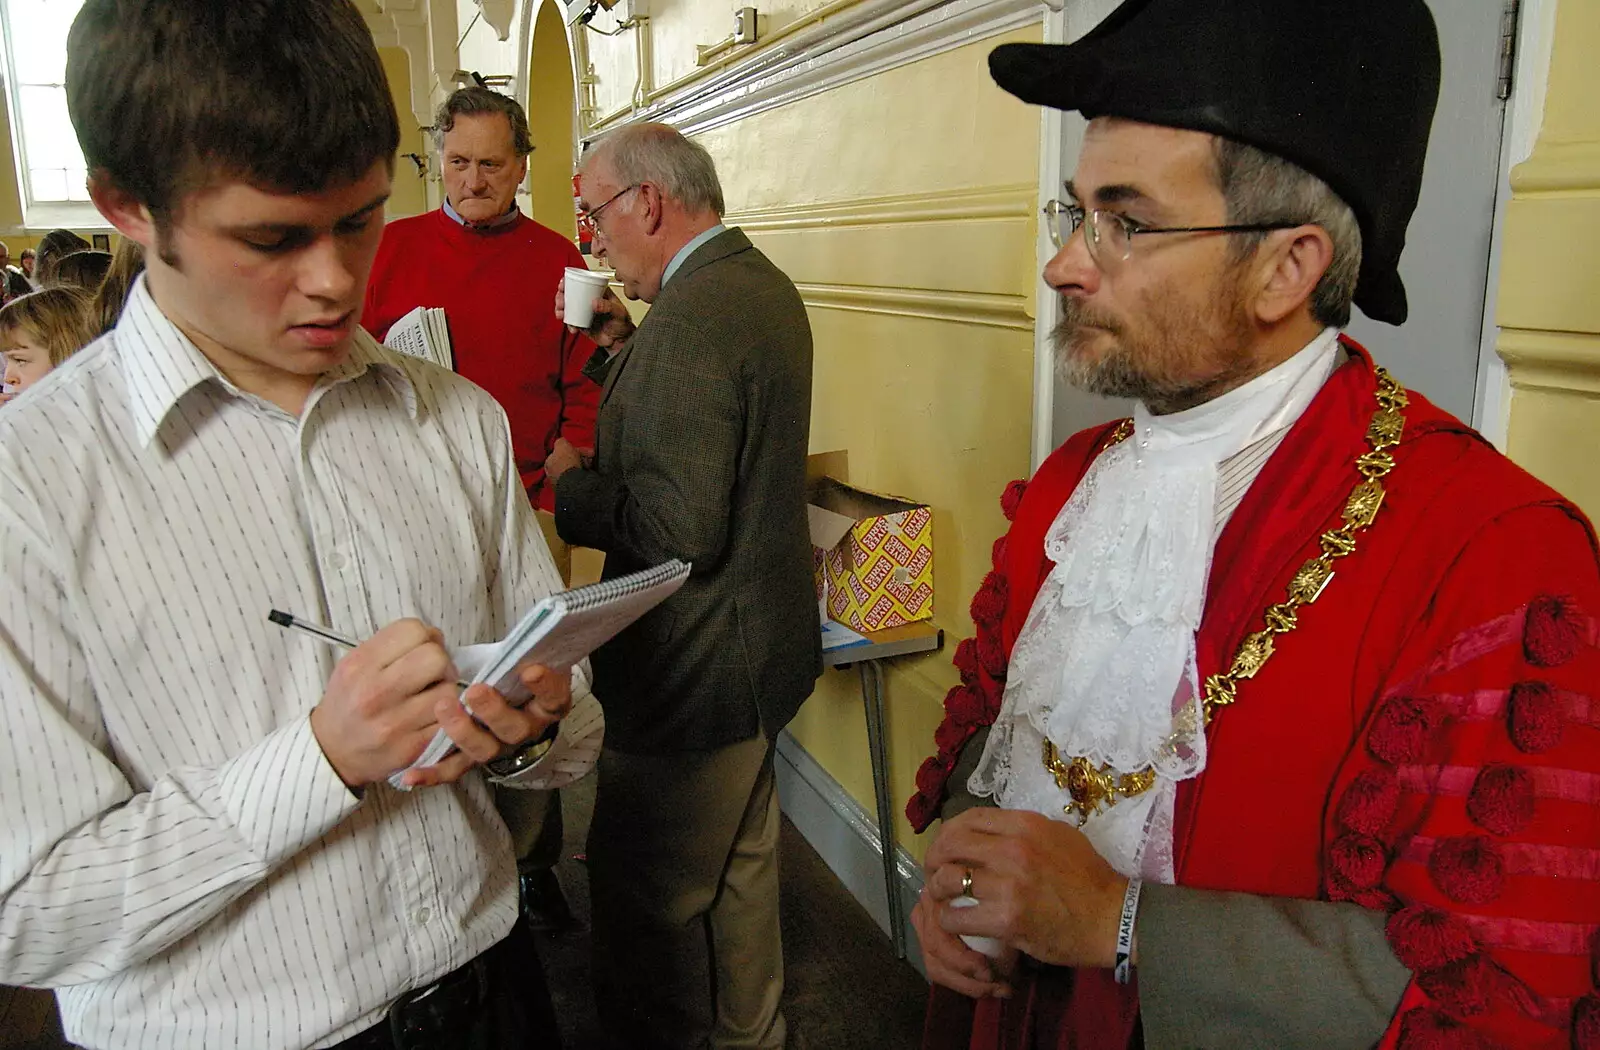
831,50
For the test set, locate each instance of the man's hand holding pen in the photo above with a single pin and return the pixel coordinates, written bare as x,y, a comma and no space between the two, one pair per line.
389,695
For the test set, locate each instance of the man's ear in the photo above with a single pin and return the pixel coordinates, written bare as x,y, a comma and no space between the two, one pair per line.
654,206
122,210
1291,263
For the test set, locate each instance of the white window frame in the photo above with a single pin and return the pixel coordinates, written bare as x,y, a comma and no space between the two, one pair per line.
42,215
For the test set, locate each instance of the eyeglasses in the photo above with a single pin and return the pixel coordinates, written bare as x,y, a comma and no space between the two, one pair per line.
1110,235
593,214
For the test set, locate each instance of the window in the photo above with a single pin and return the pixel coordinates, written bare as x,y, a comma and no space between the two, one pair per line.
50,165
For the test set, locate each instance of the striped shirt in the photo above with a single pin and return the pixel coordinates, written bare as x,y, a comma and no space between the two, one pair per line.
177,857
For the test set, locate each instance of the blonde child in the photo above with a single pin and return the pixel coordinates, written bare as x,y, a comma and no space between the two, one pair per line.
39,331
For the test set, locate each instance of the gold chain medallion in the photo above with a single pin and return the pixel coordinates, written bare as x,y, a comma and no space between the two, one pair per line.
1094,790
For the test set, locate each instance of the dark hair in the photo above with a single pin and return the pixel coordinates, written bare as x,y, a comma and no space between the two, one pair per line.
127,263
53,247
16,285
476,101
168,95
81,270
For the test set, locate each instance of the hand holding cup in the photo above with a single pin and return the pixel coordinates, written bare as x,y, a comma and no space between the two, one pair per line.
584,302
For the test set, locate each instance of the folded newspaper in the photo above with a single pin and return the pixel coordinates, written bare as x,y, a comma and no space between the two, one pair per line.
558,632
423,333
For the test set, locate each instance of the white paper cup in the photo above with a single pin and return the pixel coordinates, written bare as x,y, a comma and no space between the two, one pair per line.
583,288
983,945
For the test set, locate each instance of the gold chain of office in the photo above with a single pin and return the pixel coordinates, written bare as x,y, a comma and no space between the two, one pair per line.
1092,789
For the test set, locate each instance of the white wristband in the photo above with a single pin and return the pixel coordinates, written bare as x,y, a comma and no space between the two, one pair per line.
1130,911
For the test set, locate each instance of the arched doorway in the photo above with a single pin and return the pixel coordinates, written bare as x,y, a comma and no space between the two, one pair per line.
549,103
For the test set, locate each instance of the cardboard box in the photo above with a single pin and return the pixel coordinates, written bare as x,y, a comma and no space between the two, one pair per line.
874,555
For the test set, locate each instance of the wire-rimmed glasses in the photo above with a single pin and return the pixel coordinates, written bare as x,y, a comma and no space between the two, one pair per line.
1110,235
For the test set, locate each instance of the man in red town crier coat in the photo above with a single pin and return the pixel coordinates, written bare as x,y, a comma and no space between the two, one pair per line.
1284,698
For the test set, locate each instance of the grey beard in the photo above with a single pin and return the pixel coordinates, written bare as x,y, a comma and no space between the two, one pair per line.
1125,370
1113,375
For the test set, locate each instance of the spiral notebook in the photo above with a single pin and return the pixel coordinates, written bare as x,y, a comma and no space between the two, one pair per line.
558,632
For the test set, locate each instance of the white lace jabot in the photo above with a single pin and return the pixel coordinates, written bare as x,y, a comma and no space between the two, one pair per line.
1105,664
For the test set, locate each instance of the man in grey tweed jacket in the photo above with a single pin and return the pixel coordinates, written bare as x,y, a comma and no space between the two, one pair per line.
701,448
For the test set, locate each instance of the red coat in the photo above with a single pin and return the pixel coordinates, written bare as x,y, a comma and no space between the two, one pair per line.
1423,742
498,290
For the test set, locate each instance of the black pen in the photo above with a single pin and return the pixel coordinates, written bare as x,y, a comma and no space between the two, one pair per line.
318,631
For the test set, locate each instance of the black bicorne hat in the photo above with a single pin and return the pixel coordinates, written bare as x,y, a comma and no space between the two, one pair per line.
1344,88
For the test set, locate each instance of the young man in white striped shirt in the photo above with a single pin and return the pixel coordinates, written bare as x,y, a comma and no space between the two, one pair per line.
198,846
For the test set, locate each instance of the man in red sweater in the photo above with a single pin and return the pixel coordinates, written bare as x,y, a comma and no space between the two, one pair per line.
494,271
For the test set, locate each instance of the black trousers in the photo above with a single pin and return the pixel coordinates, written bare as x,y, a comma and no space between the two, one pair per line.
498,1001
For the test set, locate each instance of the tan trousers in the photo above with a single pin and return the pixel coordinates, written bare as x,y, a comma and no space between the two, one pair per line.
683,872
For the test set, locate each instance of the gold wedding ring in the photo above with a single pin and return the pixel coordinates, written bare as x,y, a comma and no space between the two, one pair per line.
966,883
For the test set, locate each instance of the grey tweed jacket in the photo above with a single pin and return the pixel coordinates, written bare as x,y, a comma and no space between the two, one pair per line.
701,454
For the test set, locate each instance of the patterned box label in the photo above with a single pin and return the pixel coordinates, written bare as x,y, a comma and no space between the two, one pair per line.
915,522
919,560
874,535
880,574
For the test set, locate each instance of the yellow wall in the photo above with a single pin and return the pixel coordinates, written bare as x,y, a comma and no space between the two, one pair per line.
915,260
549,107
410,195
675,32
1550,273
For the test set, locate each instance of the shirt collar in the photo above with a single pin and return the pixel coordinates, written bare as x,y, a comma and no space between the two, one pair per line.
162,365
500,220
688,250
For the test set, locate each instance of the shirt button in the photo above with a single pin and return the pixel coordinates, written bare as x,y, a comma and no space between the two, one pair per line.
422,916
335,561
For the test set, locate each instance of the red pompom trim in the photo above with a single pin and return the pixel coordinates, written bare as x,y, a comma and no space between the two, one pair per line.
1370,802
989,604
1553,631
964,706
1586,1024
992,656
1357,861
933,772
1011,498
1425,938
1535,719
998,553
951,734
1464,988
1375,899
1501,800
1427,1029
920,811
1468,868
1403,728
966,661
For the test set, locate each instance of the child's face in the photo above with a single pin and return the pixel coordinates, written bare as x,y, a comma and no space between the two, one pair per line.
26,361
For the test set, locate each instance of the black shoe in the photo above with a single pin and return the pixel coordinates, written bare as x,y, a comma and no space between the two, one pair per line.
544,905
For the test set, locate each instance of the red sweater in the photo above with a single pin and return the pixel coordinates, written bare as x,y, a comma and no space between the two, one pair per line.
497,288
